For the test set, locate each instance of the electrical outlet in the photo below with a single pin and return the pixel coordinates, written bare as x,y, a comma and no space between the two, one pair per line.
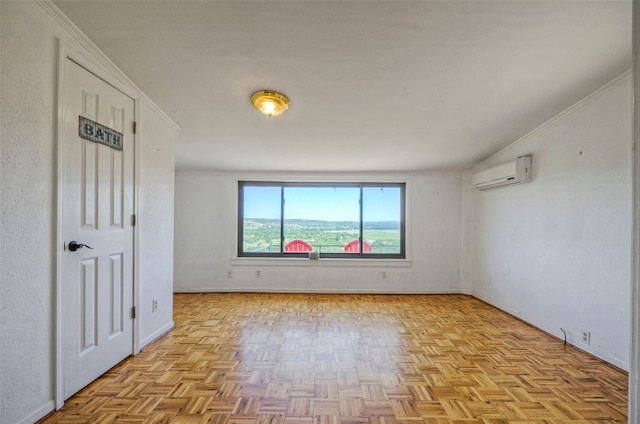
586,337
229,274
154,305
258,273
384,275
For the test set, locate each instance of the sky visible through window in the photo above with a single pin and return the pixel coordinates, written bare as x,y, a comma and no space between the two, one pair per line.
323,203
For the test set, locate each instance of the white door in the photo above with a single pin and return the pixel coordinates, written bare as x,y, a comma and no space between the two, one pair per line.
97,206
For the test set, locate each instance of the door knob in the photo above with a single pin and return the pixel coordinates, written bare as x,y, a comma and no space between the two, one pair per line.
74,245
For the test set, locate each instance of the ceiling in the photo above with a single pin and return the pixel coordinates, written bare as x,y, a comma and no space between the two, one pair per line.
374,85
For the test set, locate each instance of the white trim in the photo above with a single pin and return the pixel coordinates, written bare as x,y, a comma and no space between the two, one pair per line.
328,262
136,227
102,59
59,358
38,413
65,53
328,177
600,355
305,290
157,334
553,120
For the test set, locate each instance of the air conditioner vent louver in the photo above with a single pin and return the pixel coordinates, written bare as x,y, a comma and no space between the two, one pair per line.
514,172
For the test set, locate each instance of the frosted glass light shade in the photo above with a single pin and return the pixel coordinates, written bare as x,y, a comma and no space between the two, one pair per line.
270,102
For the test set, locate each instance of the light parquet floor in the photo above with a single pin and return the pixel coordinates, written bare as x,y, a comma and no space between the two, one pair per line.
331,359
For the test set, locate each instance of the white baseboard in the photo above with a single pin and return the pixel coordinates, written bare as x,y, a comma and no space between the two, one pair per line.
38,414
595,352
607,358
156,334
310,290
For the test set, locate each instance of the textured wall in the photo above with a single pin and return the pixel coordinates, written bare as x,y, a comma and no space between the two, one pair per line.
28,184
28,187
634,374
556,252
206,222
155,225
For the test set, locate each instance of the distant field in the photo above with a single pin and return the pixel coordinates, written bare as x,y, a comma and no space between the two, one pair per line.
263,235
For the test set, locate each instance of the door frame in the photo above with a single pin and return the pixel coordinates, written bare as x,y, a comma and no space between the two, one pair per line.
102,70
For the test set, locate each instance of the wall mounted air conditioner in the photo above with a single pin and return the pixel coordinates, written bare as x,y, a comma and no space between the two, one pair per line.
514,172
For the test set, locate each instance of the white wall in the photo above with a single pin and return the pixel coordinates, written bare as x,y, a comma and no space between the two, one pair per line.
154,242
28,203
206,234
28,65
556,252
634,373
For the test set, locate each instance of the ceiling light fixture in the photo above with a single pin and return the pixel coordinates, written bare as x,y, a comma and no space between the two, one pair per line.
270,102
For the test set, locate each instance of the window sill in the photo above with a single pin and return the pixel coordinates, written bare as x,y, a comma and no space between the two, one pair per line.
322,262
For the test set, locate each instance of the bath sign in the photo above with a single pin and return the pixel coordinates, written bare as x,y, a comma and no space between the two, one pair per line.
98,133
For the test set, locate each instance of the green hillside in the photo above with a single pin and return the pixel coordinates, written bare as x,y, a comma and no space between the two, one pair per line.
263,235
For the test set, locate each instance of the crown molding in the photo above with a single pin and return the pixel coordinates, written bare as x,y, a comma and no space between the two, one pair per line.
100,57
590,97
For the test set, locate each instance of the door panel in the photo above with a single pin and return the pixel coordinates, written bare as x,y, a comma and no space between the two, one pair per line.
88,311
89,181
116,299
97,199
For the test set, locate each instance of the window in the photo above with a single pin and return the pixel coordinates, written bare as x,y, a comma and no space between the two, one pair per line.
357,220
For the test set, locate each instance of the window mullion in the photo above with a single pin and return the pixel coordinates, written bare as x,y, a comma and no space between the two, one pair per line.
361,224
282,219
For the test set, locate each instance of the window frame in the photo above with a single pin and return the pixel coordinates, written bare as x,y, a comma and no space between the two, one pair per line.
283,184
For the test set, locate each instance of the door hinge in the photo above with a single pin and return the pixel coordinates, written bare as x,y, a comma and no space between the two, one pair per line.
133,220
133,312
135,127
